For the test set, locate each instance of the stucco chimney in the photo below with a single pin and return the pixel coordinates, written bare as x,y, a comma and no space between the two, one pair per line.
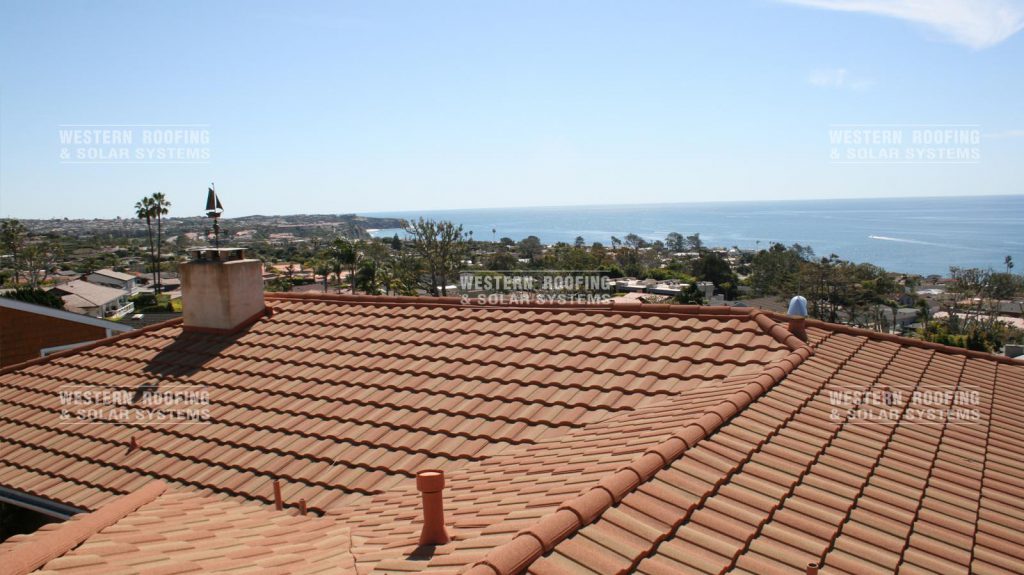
221,290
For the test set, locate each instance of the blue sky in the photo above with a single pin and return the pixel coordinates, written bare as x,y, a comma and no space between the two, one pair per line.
319,107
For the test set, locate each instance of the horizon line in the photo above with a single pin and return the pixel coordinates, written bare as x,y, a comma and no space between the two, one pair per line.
609,205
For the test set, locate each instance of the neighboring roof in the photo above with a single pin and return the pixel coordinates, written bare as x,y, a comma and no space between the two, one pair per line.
78,304
60,314
27,329
107,272
195,533
597,439
1017,322
637,297
316,287
88,294
150,276
167,279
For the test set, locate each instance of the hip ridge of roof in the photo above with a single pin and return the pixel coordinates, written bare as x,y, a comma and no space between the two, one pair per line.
37,550
900,339
516,555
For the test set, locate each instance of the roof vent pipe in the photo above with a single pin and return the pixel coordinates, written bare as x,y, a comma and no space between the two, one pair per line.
278,500
797,314
431,484
812,569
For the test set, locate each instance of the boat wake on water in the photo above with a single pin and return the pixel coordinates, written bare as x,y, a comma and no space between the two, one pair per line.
917,242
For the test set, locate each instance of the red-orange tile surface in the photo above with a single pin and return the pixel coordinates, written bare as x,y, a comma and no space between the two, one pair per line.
183,531
600,439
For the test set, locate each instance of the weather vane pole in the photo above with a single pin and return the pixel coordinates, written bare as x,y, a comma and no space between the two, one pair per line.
213,211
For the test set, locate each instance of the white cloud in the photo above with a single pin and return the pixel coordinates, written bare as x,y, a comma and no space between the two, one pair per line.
975,23
838,78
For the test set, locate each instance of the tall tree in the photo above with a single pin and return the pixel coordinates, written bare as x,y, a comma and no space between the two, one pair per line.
675,242
12,239
144,210
530,248
713,268
321,266
386,276
160,208
40,259
440,245
695,243
776,270
344,255
629,256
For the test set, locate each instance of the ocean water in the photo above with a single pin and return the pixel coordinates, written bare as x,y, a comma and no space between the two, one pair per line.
913,235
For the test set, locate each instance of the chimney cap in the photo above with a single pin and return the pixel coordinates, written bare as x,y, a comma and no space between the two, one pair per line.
797,306
430,481
217,254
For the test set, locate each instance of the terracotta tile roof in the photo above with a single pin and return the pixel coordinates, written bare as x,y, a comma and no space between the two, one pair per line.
341,398
160,530
653,439
785,483
546,488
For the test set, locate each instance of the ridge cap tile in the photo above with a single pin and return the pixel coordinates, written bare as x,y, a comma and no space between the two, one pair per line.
611,489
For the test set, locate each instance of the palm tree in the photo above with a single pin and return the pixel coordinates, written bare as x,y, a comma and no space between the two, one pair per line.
144,210
321,267
160,208
386,276
344,254
12,240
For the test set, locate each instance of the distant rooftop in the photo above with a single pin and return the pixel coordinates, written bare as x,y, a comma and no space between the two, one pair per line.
87,294
114,275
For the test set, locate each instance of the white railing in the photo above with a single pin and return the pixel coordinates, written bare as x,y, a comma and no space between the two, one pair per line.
122,311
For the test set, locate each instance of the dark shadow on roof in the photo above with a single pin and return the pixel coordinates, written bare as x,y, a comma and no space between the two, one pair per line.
422,553
189,352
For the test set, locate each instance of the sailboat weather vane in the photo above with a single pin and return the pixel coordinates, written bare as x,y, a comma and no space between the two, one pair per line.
213,211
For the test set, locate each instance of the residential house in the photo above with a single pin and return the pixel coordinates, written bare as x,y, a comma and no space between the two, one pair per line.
360,434
168,280
1011,307
65,276
110,278
93,299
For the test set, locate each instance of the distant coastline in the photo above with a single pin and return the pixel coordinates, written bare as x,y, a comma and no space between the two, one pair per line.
913,235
